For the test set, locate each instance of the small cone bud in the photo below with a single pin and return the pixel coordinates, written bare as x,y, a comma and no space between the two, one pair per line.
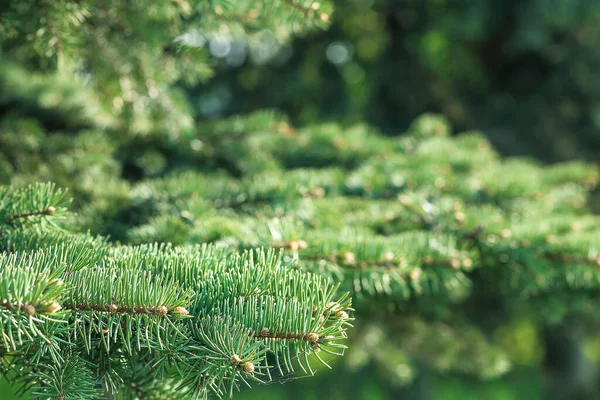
317,192
235,359
297,245
459,217
180,311
248,367
312,337
342,315
50,210
161,311
52,308
29,309
415,274
349,257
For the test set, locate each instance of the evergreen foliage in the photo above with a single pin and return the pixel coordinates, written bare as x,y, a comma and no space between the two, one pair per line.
520,70
79,313
204,256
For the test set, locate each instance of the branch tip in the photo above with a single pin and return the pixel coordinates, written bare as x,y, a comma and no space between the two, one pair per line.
48,211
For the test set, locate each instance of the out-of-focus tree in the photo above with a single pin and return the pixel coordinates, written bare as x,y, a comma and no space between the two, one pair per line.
521,70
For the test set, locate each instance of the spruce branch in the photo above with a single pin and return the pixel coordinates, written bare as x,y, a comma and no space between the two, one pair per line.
48,211
167,305
37,200
32,309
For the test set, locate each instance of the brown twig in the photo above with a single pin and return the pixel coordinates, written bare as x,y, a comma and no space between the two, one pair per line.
265,333
160,311
48,211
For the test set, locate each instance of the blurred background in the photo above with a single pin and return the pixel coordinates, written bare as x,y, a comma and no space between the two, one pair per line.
524,72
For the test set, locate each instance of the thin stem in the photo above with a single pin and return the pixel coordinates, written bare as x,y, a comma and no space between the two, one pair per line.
305,336
113,308
48,211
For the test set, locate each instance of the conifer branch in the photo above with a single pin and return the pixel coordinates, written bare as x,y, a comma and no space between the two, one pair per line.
159,311
350,210
32,309
135,301
348,260
13,218
571,259
310,337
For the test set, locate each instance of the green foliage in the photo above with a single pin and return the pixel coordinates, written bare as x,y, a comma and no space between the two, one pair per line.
426,226
520,70
422,227
207,255
80,315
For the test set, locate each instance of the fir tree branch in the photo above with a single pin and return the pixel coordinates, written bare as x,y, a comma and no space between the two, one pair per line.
32,309
159,311
265,333
571,259
12,219
348,259
426,219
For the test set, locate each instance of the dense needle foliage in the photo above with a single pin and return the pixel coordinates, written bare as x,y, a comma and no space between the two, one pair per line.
199,256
